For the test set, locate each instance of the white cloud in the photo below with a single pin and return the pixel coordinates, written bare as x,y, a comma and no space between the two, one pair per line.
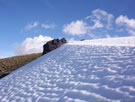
129,24
124,20
101,23
78,27
91,25
30,26
48,26
32,45
97,24
101,17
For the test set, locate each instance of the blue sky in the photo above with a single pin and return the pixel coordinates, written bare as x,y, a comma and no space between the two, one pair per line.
26,24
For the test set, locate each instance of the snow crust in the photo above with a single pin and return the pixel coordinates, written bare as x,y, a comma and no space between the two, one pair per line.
74,73
121,41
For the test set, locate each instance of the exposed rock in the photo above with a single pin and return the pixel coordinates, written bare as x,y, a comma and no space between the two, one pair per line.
53,44
82,39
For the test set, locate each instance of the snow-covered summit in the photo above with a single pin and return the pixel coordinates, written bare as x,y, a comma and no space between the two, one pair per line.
119,41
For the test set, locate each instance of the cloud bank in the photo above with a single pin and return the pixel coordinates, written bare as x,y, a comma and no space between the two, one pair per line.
99,19
32,45
100,24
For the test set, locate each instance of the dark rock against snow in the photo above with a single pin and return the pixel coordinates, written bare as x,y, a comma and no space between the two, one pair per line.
82,39
53,44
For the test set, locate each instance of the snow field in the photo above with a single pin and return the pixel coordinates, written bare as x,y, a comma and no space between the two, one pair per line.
74,73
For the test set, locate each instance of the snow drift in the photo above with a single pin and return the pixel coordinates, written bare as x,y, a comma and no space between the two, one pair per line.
75,72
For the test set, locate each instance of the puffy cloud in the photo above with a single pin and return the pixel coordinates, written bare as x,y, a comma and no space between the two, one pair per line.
101,18
124,20
129,24
48,26
102,22
91,25
99,24
78,27
32,45
30,26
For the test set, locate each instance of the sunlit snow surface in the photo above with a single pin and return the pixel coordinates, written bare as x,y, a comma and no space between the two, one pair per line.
74,73
120,41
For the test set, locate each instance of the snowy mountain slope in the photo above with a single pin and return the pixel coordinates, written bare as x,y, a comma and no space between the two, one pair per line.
74,73
120,41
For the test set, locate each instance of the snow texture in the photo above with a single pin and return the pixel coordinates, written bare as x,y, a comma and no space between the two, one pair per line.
74,73
120,41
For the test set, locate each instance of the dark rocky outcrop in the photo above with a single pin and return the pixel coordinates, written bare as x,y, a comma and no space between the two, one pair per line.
82,39
53,44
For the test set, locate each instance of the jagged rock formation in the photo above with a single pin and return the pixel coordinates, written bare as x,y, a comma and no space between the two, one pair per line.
53,44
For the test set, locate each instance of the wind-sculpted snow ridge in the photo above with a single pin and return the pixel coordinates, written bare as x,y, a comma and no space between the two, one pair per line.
74,73
120,41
